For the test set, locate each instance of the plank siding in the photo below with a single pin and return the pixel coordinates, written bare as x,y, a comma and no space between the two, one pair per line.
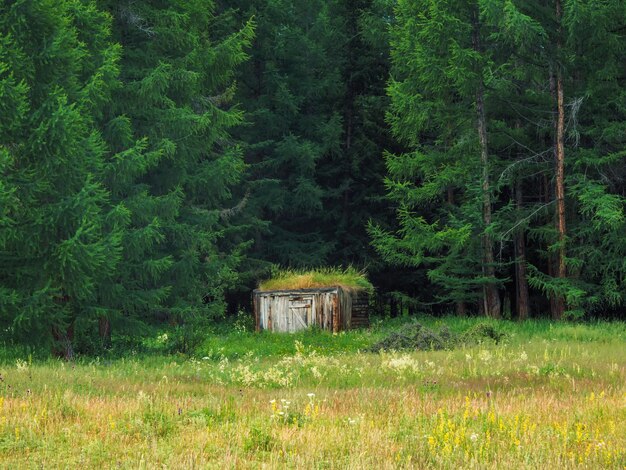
333,309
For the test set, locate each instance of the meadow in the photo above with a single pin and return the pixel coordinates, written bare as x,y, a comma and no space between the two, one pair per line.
548,395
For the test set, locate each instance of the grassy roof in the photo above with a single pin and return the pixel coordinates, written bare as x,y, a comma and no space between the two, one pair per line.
348,278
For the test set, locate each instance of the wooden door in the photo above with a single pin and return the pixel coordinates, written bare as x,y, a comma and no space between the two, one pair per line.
299,313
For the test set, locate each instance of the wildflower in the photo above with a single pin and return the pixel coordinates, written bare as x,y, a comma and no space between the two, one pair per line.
474,437
316,373
485,355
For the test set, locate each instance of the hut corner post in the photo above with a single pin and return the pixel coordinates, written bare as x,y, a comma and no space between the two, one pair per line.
255,311
336,313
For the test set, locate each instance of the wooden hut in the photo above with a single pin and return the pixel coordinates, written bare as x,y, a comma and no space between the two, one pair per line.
331,308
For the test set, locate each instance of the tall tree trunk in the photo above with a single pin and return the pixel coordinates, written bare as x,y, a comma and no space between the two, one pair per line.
104,331
490,292
560,169
63,342
522,300
547,198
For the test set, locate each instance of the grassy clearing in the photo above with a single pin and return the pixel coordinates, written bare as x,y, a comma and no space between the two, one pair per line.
348,278
548,396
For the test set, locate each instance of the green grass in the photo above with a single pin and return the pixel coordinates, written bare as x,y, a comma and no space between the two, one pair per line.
235,344
551,395
348,278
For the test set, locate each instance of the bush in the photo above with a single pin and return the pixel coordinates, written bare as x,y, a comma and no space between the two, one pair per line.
418,337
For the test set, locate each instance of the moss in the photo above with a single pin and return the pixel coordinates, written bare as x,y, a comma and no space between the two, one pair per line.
348,278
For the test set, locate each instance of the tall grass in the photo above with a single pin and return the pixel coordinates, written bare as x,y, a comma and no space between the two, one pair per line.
549,396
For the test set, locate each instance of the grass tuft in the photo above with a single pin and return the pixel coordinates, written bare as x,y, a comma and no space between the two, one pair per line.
348,278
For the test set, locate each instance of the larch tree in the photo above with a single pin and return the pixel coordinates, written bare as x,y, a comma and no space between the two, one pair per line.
443,185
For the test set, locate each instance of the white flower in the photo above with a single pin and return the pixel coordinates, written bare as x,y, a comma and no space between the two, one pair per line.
485,355
474,437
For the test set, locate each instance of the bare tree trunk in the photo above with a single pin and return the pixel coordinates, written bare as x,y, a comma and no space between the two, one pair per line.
521,282
63,342
461,309
560,171
490,292
547,199
104,331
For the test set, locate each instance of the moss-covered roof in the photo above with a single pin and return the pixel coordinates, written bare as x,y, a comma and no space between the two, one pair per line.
348,278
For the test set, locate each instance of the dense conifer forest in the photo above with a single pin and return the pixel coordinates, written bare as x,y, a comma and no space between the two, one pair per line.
159,158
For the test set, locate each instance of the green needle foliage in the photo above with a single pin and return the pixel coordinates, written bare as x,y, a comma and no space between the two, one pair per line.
61,237
177,74
520,54
314,94
158,158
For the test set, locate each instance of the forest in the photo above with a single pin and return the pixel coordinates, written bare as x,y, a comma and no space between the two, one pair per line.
159,158
176,176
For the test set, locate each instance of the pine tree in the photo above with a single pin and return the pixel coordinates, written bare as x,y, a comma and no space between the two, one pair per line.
547,70
594,40
553,46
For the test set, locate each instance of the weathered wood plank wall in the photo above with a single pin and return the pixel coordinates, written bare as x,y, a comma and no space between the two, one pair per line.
293,310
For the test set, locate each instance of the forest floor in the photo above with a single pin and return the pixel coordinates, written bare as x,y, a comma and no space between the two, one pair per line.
548,396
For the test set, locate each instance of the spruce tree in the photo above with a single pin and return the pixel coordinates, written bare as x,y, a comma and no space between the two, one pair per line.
60,238
314,95
177,74
291,88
